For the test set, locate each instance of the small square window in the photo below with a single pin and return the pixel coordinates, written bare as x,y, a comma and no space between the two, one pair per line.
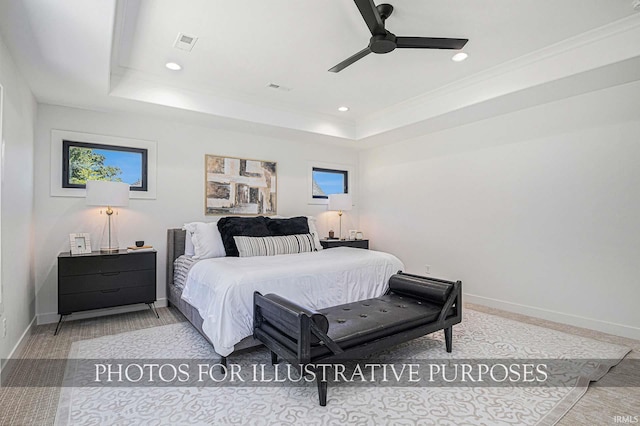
329,181
83,161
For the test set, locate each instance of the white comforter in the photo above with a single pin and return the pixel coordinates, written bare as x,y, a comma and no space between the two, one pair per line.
222,288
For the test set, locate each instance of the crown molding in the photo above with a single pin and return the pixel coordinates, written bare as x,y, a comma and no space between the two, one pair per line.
597,48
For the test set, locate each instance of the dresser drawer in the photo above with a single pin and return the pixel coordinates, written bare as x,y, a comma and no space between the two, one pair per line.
68,303
84,265
105,281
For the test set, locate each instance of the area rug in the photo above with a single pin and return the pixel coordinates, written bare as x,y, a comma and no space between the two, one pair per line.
479,337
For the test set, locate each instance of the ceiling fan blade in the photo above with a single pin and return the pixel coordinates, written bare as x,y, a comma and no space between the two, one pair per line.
371,16
342,65
430,43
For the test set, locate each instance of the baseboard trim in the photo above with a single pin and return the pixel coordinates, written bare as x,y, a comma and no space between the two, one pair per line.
547,314
5,365
53,317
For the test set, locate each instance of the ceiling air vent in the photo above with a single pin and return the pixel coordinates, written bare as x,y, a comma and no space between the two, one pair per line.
185,42
278,87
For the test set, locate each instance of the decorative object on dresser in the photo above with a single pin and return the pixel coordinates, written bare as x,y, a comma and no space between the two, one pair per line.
240,186
98,280
80,243
138,249
363,244
340,203
108,194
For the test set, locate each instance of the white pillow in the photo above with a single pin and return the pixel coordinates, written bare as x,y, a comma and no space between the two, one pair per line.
206,239
311,220
189,249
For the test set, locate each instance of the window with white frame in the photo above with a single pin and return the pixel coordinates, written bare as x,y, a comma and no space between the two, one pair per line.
325,179
77,157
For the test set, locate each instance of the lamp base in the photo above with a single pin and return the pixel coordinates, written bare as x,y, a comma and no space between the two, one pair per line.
109,250
109,242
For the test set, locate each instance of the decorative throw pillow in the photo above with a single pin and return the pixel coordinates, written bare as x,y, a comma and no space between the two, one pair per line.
271,246
311,223
206,239
233,226
288,226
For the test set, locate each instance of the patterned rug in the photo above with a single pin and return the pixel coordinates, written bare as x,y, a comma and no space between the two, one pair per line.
479,337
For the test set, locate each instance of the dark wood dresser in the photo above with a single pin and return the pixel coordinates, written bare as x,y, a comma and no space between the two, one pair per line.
104,280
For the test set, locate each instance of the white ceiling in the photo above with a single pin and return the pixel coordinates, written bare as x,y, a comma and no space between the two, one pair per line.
110,54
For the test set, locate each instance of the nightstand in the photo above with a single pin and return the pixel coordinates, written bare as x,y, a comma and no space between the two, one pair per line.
105,280
363,244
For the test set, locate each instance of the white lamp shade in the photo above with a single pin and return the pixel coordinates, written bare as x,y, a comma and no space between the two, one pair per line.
105,193
340,202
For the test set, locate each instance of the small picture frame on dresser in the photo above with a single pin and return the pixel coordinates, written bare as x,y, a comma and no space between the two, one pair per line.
80,243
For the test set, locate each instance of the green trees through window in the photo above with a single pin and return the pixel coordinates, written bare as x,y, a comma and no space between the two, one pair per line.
85,164
82,161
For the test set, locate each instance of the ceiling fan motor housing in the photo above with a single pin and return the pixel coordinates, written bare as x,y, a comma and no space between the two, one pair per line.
383,43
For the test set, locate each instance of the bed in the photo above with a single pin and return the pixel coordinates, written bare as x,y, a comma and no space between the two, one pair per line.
216,294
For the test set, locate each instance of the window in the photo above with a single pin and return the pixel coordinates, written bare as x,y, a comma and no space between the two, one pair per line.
329,181
82,161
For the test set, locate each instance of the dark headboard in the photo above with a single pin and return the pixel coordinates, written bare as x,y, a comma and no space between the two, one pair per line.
175,249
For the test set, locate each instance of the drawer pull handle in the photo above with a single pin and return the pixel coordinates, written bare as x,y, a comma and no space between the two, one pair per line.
110,274
110,291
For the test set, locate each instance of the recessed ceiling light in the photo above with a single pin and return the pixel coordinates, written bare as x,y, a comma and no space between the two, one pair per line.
173,66
343,109
459,57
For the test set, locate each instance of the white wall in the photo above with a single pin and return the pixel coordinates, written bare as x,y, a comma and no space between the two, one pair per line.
180,195
18,292
536,211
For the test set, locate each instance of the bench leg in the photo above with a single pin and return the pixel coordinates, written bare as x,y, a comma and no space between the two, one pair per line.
448,338
322,391
274,358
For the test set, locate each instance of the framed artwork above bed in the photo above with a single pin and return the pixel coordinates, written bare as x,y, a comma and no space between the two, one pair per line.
238,186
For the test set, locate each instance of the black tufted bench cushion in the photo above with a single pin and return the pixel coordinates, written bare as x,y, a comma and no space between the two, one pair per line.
413,306
359,322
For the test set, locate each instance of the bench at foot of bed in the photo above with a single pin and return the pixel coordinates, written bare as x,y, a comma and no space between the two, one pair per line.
413,307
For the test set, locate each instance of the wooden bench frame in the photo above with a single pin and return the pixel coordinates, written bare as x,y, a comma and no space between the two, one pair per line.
296,322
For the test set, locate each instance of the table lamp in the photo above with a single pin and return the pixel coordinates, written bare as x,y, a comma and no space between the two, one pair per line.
340,203
108,194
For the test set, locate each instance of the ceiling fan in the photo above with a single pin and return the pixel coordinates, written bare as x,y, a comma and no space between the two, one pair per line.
384,41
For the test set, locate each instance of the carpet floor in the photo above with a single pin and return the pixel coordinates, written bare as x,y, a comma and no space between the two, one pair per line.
38,406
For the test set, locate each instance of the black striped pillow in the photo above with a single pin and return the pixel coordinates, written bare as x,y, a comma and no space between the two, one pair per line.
271,246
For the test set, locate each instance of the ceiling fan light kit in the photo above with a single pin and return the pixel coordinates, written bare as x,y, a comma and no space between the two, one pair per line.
383,41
